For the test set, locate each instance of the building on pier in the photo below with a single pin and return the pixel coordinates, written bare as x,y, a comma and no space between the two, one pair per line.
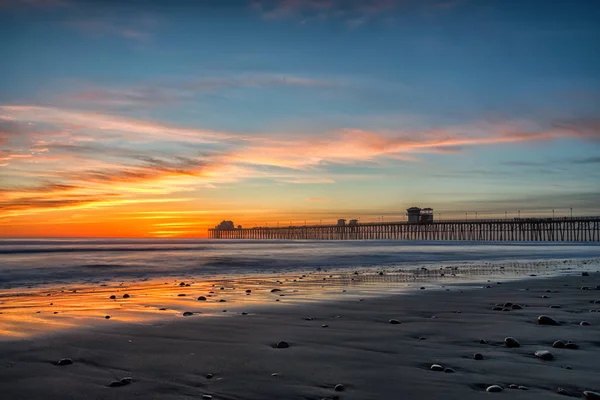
225,226
418,215
341,222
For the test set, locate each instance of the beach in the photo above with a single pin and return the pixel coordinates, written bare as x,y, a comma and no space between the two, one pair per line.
375,347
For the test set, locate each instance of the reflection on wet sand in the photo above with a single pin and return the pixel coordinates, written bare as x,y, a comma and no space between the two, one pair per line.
34,311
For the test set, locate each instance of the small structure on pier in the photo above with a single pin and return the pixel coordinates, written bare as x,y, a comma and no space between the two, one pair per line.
353,222
341,222
418,215
225,226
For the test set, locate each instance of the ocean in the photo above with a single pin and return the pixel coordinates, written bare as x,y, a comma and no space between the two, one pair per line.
34,262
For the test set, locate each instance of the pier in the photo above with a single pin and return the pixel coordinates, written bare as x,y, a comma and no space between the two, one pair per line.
564,229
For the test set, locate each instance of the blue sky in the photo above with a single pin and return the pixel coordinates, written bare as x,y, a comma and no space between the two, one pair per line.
295,109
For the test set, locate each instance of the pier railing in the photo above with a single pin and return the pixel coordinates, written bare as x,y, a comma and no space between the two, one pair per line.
565,229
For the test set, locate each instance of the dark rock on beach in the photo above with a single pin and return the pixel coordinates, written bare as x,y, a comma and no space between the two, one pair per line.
544,355
511,342
559,344
64,361
546,320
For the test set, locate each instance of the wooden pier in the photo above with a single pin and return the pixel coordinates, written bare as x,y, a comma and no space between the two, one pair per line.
569,229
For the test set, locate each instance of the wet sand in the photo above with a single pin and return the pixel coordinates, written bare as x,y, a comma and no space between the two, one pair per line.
359,348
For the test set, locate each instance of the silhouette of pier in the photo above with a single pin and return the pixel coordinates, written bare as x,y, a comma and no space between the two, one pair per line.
564,229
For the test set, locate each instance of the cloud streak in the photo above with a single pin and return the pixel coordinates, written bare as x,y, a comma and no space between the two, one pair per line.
69,158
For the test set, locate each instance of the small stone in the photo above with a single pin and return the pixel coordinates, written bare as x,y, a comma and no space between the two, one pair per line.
222,301
244,313
571,346
523,388
493,389
508,304
478,356
209,376
511,342
187,313
584,323
282,345
422,338
422,287
394,321
516,307
513,386
436,367
107,317
64,361
126,296
182,284
449,370
206,396
275,374
325,326
544,355
563,392
202,298
497,309
559,344
162,309
339,387
113,297
584,288
275,290
554,306
545,320
545,297
588,394
181,294
122,382
248,291
483,341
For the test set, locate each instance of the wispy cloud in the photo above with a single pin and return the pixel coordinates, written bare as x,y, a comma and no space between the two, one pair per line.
134,27
354,12
69,159
153,94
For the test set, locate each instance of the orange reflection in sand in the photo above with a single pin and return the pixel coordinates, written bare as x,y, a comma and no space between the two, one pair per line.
34,311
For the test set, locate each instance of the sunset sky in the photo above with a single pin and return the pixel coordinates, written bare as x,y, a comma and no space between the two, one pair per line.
162,118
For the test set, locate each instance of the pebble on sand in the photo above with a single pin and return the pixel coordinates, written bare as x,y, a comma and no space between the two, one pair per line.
209,376
494,389
555,306
513,386
563,392
544,355
584,323
202,298
516,307
511,342
394,321
107,316
546,320
248,291
571,346
449,370
122,382
339,387
206,396
436,367
181,294
222,301
64,361
126,296
187,313
559,344
113,297
282,345
588,394
478,356
325,326
275,290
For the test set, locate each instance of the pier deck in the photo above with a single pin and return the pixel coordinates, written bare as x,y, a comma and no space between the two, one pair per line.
565,229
